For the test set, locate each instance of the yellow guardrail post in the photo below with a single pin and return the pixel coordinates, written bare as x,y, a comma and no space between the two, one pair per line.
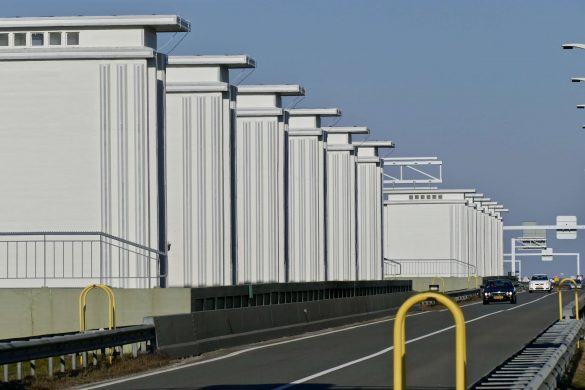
83,306
111,308
400,335
561,298
441,279
576,302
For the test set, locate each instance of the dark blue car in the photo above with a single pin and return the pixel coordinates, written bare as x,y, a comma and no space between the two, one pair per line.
499,290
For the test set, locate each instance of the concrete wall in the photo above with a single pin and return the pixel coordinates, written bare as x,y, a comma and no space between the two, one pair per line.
445,283
195,333
34,311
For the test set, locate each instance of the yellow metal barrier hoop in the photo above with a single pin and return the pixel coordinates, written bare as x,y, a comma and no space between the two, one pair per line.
83,306
561,298
400,334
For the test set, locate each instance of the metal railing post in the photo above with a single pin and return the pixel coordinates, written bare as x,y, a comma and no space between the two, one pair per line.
400,342
62,363
50,367
44,260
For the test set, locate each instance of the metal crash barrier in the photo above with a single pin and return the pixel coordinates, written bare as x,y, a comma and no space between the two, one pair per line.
400,335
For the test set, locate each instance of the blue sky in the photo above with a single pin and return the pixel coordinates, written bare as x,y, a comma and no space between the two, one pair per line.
483,85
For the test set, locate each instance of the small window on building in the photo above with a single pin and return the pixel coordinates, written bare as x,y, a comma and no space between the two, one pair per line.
434,196
55,38
416,197
37,39
72,38
4,39
410,197
19,39
440,196
428,197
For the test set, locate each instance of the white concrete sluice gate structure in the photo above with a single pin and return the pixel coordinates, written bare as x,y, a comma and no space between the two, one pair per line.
369,203
441,233
125,166
201,128
82,146
340,203
306,194
261,201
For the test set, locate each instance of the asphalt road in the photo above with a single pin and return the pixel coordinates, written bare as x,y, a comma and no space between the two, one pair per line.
361,356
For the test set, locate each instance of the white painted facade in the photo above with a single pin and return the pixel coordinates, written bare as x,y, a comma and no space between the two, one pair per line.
82,134
306,194
261,177
369,204
340,202
201,127
441,233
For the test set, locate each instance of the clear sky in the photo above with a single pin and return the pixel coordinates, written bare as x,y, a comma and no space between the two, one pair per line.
484,85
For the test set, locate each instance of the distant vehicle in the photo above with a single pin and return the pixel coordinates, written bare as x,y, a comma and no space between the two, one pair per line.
539,282
499,290
578,282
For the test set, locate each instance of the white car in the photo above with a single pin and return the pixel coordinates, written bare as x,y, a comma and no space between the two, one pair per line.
540,282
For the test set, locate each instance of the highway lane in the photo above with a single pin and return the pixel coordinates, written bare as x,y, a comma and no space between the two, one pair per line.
361,356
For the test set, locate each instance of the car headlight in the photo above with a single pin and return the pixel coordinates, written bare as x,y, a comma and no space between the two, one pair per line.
487,294
509,293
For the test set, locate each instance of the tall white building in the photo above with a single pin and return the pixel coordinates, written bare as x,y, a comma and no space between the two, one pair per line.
201,168
440,232
82,136
340,202
306,194
369,203
261,176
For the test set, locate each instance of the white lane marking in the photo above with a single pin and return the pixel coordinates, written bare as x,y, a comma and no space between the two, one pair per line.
236,353
388,349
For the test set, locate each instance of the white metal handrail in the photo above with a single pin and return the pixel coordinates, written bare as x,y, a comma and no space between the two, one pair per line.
78,257
429,267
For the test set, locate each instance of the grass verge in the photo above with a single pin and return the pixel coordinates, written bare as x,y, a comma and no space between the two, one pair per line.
578,380
103,371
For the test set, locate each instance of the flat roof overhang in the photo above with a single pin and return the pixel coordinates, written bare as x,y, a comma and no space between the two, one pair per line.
427,191
375,144
229,61
278,89
314,112
347,130
159,23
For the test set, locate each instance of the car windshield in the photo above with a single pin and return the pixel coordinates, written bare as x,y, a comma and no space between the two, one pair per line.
539,277
499,283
